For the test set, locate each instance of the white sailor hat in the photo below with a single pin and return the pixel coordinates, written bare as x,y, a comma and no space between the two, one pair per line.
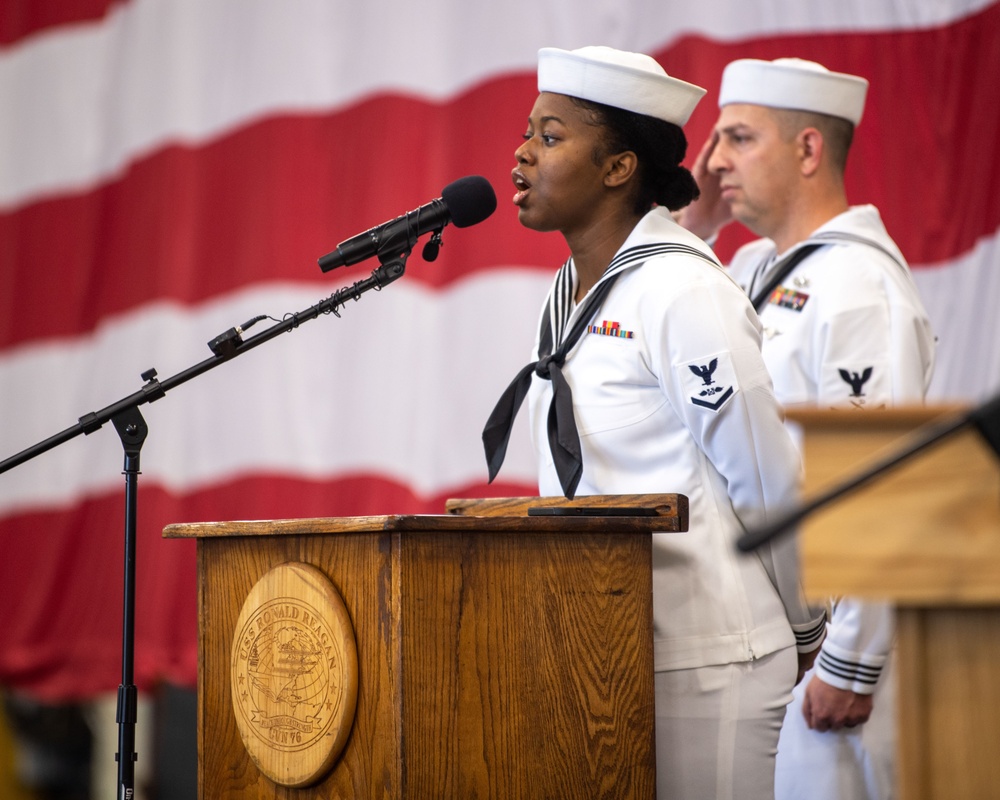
794,83
631,81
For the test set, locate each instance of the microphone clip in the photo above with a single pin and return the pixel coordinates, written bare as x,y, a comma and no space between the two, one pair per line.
433,245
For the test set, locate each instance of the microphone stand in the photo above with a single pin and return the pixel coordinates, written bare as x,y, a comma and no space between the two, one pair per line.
132,430
985,418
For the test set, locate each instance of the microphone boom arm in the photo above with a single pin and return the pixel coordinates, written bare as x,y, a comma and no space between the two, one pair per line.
132,430
464,202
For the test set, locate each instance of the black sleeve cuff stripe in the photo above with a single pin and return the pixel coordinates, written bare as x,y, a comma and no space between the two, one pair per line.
849,670
812,635
844,663
847,676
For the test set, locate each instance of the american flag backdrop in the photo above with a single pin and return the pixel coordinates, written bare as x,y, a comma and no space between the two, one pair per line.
172,168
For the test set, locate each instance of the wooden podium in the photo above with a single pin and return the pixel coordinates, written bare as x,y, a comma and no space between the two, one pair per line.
499,653
926,536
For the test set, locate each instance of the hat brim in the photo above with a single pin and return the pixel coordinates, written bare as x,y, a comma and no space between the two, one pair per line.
618,85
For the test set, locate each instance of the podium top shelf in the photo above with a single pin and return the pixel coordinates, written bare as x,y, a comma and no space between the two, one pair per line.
900,418
594,514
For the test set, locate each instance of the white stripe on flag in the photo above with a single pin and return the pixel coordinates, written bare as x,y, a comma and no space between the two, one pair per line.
82,101
333,396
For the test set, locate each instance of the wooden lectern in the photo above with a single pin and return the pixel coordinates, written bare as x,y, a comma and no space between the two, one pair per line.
924,535
499,653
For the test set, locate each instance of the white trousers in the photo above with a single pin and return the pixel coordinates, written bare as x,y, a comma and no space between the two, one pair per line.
849,764
717,728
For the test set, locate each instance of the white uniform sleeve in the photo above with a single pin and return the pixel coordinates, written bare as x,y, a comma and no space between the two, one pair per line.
866,353
857,644
869,356
715,378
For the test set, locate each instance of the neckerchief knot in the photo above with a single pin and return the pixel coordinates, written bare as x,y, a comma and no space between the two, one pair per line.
564,439
542,366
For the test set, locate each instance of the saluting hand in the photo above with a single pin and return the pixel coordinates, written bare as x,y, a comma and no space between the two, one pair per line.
707,215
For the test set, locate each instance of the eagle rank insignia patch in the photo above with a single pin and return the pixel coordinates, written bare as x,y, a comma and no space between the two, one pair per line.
710,382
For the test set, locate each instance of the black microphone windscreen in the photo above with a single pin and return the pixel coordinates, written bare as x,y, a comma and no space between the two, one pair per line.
470,200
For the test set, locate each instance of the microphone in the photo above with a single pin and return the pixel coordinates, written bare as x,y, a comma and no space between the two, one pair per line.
467,201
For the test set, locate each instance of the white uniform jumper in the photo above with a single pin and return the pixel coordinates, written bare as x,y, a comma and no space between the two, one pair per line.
671,394
845,328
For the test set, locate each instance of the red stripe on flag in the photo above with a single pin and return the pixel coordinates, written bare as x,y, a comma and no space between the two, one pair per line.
924,152
21,18
265,202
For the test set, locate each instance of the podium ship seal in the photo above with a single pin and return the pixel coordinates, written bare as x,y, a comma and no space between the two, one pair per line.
294,674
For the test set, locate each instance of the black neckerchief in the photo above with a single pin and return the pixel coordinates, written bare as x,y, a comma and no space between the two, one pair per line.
564,439
781,273
815,241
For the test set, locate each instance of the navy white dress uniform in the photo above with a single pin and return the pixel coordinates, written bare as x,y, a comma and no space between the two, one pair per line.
670,393
845,327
